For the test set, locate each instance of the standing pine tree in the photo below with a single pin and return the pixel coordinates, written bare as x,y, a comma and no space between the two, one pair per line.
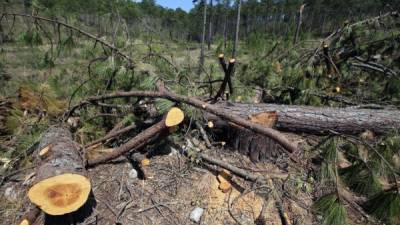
209,39
236,41
203,36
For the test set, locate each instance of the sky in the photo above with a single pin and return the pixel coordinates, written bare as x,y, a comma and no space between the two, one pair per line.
173,4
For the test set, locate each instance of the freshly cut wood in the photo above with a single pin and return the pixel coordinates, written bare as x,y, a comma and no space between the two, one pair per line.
61,184
317,120
145,162
43,153
175,116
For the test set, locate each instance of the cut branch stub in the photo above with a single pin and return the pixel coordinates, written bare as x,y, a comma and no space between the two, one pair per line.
43,153
61,184
174,117
31,216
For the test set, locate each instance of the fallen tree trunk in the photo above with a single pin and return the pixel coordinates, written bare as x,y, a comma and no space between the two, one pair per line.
303,119
61,185
320,120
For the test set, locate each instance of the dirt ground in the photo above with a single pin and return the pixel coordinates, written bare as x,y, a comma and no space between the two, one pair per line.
174,187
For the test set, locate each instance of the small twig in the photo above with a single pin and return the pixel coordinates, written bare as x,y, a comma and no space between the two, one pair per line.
204,134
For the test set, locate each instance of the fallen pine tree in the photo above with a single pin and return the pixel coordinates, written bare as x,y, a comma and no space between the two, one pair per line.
317,120
298,119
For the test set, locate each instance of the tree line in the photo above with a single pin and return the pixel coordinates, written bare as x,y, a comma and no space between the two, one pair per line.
258,18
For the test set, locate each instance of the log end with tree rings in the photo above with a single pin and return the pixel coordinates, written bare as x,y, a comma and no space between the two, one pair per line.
174,117
60,194
24,222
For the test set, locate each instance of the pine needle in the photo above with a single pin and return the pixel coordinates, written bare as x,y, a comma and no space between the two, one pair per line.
163,105
385,206
361,180
332,210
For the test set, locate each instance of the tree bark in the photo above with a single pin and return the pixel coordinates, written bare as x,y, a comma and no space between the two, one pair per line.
319,120
299,22
203,37
62,157
209,39
236,41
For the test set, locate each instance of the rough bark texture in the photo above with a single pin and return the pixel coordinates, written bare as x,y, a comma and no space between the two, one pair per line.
63,156
306,119
236,41
317,120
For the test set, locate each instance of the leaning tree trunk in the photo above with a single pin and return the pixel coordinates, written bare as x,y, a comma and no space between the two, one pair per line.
62,185
308,119
317,120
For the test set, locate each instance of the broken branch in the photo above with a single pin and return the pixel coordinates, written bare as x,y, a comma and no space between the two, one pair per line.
173,118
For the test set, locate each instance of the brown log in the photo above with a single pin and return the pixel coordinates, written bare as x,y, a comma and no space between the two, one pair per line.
320,120
61,185
174,117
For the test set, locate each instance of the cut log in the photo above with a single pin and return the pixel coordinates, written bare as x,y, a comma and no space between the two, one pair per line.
61,184
302,119
319,120
173,118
